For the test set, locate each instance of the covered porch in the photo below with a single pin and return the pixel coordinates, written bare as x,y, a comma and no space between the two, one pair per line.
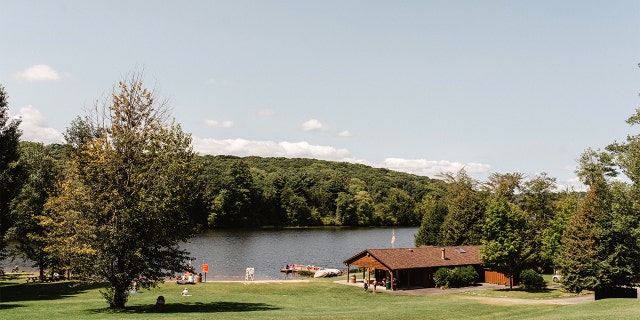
410,268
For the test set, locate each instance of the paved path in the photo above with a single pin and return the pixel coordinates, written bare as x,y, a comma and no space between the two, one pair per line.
482,286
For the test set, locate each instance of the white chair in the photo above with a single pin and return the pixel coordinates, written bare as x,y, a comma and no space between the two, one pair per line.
249,275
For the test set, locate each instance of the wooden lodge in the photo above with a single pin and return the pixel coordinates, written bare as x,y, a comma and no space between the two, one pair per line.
414,267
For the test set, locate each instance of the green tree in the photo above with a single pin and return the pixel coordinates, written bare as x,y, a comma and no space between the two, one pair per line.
234,204
537,199
80,132
618,234
505,184
568,203
364,207
433,212
465,207
38,171
579,258
504,245
129,189
346,209
9,137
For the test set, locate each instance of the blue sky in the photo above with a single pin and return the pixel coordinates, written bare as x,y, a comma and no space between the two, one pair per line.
416,86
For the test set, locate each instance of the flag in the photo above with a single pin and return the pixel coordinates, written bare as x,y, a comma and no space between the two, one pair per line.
393,238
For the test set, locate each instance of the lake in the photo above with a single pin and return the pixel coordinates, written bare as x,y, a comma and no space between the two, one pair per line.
229,252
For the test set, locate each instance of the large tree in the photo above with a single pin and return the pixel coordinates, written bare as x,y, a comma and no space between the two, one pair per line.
121,212
579,257
9,138
505,247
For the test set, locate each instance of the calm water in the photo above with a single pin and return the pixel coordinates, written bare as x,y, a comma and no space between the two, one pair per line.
229,252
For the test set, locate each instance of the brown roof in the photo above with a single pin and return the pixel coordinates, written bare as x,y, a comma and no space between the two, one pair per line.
415,258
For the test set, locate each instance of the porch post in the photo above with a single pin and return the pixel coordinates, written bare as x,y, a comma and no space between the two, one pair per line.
348,267
392,286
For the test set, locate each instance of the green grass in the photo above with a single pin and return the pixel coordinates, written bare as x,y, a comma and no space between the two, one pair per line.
551,293
317,299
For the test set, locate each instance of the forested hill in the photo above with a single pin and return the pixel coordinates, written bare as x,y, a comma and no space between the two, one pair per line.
255,191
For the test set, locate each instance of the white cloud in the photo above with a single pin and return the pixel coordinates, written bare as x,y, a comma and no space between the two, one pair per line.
218,124
432,167
38,73
243,147
34,127
313,125
266,113
344,133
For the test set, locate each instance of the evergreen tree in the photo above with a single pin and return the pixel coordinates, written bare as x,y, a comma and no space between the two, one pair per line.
9,137
579,258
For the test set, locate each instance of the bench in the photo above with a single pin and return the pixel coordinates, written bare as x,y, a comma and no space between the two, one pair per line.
32,278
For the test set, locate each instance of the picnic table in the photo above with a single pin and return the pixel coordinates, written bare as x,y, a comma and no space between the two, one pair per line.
32,278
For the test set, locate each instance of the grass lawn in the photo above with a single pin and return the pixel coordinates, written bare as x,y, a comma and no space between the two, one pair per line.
317,299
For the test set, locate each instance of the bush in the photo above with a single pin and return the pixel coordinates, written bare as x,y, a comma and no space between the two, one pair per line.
468,275
441,278
532,280
456,277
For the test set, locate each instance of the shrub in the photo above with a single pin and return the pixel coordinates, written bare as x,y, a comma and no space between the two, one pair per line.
441,278
532,280
468,275
456,277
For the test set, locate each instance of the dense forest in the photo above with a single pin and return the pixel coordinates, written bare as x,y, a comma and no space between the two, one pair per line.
256,192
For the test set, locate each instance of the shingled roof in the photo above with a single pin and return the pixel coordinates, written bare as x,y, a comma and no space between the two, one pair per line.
415,258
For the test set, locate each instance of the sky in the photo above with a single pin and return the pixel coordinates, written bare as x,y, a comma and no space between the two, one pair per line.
423,87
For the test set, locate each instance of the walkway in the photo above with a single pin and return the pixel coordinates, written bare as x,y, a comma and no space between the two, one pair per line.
481,286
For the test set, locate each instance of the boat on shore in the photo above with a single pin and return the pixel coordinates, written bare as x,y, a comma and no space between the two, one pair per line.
292,268
317,272
327,273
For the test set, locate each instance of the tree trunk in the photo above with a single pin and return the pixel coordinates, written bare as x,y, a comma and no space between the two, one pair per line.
119,296
120,287
41,268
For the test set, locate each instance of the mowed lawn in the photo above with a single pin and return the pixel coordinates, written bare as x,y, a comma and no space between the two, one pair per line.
316,299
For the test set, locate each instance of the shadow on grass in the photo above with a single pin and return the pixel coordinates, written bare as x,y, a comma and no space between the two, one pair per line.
10,306
545,290
43,291
197,307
